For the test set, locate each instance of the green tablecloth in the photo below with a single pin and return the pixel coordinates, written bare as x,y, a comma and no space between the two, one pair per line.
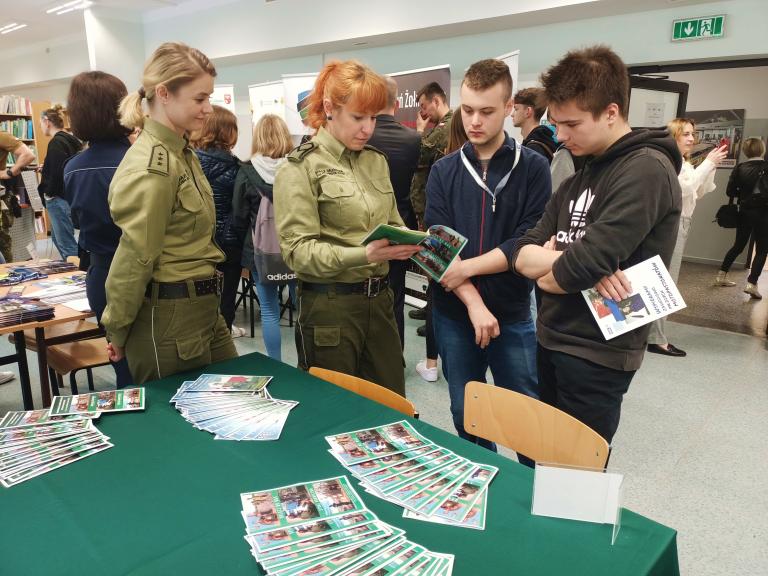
165,499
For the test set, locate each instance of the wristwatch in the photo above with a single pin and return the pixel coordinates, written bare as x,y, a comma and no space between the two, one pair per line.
9,172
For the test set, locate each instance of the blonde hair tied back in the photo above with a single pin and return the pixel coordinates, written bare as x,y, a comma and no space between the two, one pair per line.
172,64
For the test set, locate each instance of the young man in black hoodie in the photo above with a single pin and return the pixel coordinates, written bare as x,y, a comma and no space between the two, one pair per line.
526,115
622,208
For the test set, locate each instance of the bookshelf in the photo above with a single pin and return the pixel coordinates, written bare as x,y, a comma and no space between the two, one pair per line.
20,117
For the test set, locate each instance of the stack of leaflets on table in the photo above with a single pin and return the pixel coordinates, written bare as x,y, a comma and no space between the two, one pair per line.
48,266
124,400
396,463
19,310
35,442
233,407
324,528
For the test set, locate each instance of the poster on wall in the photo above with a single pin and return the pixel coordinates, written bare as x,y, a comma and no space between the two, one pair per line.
408,85
716,128
266,98
296,90
224,95
511,60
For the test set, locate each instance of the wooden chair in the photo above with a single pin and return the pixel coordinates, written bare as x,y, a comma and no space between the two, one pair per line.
367,389
57,330
531,427
73,356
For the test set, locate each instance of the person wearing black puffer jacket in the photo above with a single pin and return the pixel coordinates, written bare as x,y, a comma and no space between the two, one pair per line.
214,149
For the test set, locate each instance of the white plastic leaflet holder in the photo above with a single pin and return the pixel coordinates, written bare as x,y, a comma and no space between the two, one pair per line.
574,493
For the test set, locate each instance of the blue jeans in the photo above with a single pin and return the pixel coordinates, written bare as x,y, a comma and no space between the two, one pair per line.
270,314
62,230
511,356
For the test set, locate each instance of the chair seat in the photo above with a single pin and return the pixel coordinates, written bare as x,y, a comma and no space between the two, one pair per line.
56,330
65,358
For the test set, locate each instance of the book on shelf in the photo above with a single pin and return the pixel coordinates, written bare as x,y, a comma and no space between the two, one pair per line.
22,128
17,105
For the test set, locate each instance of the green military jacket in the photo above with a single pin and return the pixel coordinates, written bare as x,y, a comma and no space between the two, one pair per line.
327,199
433,147
161,200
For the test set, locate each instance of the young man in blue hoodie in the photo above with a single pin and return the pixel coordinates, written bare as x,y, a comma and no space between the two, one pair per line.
620,209
492,191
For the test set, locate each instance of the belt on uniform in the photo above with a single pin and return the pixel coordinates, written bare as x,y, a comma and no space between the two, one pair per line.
170,290
370,288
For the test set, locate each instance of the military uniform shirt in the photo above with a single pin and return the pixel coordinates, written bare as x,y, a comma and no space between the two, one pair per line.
433,147
327,199
163,203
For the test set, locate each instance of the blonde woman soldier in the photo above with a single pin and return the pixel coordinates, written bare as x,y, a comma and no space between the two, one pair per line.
328,196
162,291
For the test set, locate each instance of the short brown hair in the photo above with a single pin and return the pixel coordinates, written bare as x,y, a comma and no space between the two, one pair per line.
531,97
593,77
271,137
219,130
485,74
431,90
754,148
93,100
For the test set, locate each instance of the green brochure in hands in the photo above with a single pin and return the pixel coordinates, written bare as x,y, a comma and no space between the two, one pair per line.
440,245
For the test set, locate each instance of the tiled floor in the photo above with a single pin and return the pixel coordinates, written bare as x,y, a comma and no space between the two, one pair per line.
691,442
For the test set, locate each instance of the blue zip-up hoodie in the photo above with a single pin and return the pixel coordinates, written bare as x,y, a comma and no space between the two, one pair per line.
456,200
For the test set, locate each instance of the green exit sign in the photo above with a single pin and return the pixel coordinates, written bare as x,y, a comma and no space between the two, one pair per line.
698,28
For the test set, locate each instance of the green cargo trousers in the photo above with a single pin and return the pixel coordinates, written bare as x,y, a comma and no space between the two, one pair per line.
351,333
176,335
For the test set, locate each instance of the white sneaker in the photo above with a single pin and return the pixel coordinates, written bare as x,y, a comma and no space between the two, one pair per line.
428,374
6,377
237,332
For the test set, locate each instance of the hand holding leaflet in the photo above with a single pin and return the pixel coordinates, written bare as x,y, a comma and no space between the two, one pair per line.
641,294
440,246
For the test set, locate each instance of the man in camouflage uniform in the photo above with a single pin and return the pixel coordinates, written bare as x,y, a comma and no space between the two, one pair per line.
9,180
433,108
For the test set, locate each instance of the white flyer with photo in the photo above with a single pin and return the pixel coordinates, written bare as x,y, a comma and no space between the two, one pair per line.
654,295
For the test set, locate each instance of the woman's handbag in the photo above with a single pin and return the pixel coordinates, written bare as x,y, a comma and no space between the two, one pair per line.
728,215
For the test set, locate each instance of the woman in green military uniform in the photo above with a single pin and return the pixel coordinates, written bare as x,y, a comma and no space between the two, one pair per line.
162,292
330,194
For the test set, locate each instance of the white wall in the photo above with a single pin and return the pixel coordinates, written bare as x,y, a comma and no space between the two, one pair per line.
43,62
717,90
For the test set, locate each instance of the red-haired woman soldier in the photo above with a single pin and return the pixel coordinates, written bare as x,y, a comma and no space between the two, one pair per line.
330,194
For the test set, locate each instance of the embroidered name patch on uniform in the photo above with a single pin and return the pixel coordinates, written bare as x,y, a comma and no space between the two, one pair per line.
328,172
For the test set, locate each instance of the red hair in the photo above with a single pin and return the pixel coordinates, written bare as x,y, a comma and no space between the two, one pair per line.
347,83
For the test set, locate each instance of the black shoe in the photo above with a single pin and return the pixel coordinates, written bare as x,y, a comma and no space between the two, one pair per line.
670,350
418,314
422,331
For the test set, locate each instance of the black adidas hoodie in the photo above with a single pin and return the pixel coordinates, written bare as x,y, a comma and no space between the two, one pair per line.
622,208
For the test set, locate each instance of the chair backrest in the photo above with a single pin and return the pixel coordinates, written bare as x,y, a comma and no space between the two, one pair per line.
531,427
367,389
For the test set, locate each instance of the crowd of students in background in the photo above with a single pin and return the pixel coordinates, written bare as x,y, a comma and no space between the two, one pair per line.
582,197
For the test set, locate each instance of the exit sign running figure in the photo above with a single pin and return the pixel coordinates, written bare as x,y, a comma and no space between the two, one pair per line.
698,28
